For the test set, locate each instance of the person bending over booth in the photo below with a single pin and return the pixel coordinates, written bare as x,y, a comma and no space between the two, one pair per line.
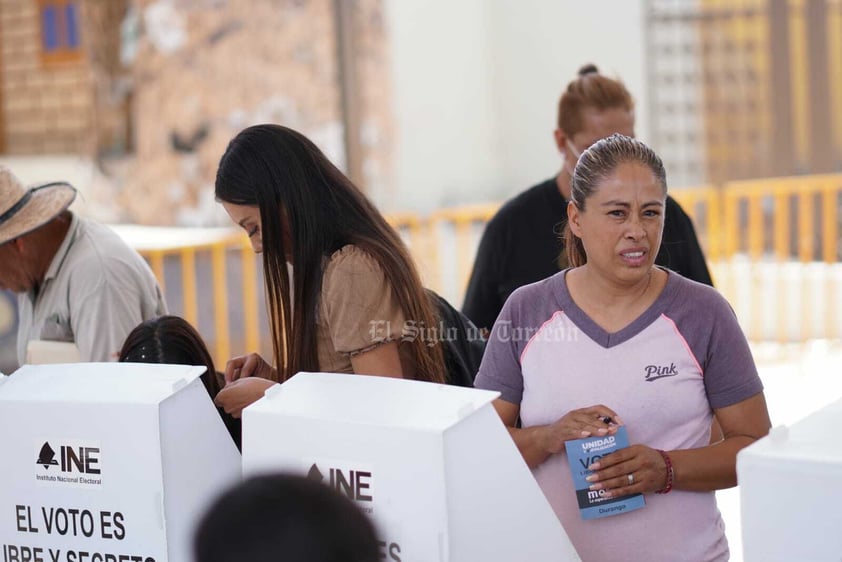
340,283
77,281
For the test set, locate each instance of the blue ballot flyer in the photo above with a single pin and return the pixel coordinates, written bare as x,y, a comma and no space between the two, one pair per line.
581,453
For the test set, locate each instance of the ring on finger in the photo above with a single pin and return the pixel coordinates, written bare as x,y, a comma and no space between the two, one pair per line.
631,478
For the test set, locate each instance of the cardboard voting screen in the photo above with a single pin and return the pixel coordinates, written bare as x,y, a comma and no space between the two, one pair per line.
433,465
791,490
108,461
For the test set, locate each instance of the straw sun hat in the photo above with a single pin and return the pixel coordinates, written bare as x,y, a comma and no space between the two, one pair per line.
23,210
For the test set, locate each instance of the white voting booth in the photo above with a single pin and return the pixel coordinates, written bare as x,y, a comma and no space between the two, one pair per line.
791,490
432,464
108,462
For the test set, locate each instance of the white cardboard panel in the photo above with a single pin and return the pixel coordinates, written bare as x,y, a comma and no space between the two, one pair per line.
491,491
199,459
380,401
108,504
115,383
109,415
395,463
433,457
790,491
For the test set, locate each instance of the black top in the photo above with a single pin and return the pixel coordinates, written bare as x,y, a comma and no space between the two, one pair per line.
522,243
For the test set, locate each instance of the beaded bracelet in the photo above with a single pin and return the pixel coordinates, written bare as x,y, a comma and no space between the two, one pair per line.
670,473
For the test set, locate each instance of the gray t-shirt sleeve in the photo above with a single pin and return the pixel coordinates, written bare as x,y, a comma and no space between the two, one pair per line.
500,368
522,315
710,327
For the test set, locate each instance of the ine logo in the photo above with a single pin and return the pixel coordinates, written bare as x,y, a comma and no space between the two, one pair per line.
47,457
84,460
70,462
356,483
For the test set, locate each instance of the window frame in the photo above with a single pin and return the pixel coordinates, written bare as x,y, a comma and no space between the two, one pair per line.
65,32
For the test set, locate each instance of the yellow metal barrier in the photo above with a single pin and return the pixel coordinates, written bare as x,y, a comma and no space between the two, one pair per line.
703,206
168,257
755,234
461,220
779,198
414,231
786,220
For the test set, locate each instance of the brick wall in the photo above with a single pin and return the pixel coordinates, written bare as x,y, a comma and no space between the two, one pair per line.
203,70
47,107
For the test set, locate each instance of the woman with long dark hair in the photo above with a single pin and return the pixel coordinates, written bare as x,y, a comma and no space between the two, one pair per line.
341,286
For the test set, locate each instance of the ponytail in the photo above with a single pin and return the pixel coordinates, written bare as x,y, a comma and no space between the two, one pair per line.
573,248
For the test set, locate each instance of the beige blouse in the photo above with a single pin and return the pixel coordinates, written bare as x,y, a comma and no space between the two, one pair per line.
358,311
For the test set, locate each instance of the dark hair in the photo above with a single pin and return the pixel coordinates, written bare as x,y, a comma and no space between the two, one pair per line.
289,179
590,89
286,518
595,164
172,340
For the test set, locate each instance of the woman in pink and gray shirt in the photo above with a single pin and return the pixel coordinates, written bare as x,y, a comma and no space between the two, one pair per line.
615,340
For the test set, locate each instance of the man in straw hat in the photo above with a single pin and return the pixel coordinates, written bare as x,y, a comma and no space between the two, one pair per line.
77,281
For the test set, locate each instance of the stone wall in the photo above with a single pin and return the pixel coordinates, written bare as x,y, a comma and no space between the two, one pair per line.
205,70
